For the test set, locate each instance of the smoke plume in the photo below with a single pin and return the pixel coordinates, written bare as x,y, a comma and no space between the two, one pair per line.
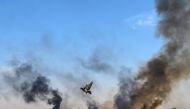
32,85
39,89
167,67
98,62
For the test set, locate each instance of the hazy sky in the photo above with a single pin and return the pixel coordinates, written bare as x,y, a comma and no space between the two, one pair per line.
58,33
61,35
73,28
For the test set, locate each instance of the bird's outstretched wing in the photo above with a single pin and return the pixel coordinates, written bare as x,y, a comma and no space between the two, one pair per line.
83,89
88,86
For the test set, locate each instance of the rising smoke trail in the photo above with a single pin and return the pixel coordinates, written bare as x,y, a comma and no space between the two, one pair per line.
167,67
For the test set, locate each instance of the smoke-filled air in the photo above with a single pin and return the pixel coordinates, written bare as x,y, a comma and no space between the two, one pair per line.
83,55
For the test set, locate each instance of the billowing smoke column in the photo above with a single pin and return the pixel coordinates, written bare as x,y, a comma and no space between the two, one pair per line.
154,80
32,85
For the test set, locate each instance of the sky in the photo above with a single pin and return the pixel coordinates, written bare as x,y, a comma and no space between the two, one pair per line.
75,28
59,33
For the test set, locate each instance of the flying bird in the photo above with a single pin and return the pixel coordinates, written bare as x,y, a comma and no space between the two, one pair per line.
87,87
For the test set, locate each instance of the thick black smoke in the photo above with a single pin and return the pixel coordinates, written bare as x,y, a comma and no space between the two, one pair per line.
32,85
168,66
39,88
56,100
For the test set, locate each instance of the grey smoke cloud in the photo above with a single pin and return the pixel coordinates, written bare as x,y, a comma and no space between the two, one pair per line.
126,86
29,83
98,62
